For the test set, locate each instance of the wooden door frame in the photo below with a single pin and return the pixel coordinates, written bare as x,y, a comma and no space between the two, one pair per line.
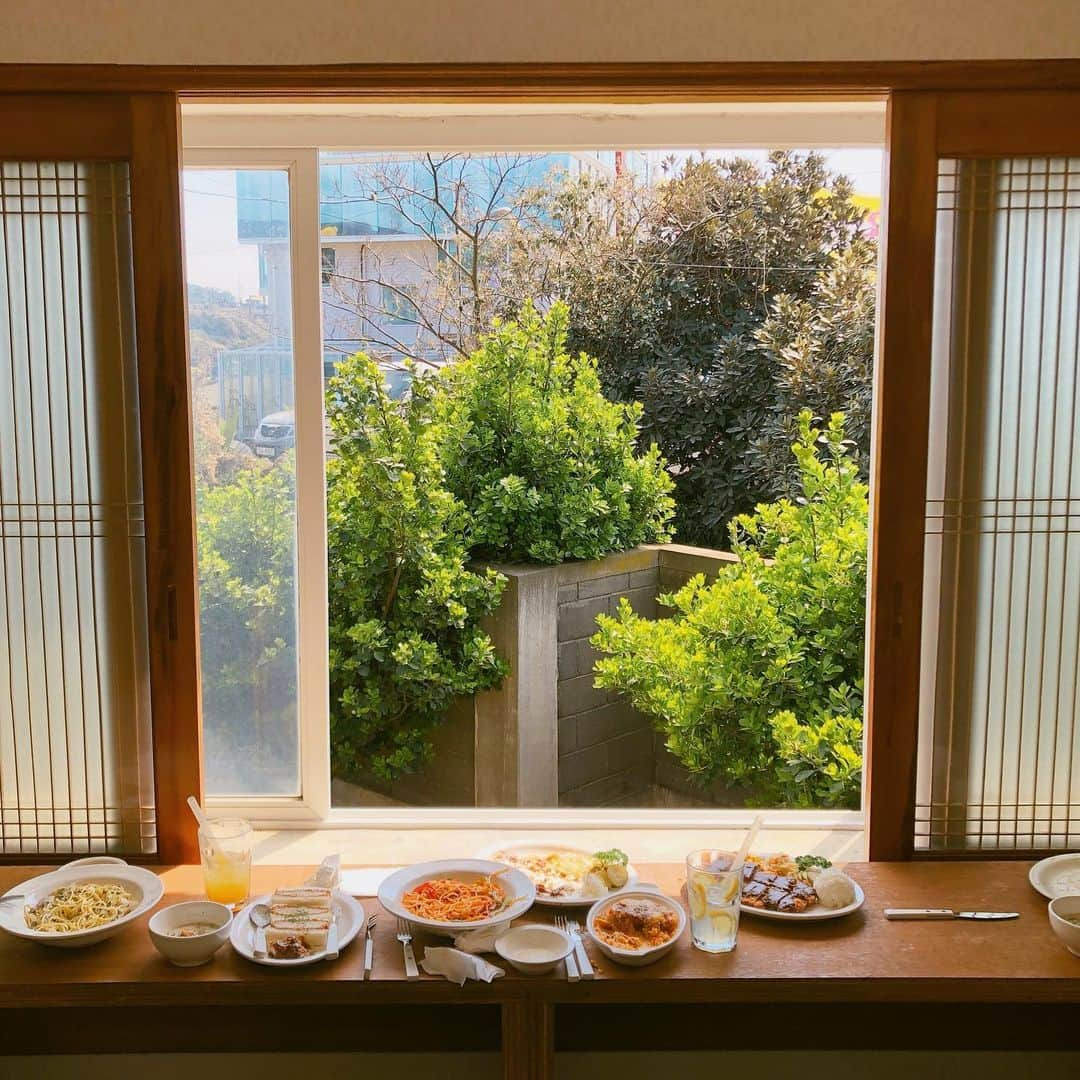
923,128
548,82
936,108
143,129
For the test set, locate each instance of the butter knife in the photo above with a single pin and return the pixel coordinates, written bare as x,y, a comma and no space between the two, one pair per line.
933,914
585,968
332,940
369,946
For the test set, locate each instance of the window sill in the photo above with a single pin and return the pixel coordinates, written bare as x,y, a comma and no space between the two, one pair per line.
396,846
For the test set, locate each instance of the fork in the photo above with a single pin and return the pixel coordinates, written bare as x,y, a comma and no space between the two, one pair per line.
572,973
404,935
369,946
573,928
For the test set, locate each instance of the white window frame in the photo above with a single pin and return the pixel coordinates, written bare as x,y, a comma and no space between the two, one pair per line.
290,137
312,650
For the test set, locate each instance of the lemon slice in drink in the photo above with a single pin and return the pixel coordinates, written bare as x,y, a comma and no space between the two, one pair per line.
732,889
695,893
722,923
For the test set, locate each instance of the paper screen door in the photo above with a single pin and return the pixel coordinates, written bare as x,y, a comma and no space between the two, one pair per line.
87,623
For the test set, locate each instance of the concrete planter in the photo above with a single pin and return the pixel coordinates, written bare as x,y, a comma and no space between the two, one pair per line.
548,736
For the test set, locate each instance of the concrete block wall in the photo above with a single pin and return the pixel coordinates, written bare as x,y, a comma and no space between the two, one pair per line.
606,755
609,754
678,563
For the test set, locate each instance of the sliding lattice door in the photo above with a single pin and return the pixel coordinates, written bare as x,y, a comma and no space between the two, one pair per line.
75,736
974,629
999,757
99,725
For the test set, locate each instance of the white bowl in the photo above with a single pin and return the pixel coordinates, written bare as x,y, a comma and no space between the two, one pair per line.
533,948
518,886
636,957
1056,876
1066,931
143,885
190,951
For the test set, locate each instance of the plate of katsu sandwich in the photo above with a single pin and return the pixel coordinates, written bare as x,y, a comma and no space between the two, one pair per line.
303,923
804,888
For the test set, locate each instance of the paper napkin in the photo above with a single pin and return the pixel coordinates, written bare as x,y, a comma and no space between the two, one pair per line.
328,875
480,941
458,966
365,881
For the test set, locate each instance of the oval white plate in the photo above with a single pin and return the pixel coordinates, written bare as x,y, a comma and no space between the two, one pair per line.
571,899
348,914
518,885
1046,873
818,913
97,868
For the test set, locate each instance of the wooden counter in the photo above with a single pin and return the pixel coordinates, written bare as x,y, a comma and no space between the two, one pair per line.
855,982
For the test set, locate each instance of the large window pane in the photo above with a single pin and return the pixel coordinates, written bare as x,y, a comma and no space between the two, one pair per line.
240,327
721,293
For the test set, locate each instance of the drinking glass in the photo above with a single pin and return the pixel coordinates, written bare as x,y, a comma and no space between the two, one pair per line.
225,847
713,891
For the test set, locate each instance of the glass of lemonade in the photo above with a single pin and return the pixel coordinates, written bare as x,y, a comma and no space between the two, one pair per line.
713,891
225,847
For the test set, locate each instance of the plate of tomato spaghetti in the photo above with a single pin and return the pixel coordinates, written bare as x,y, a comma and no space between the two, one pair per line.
457,894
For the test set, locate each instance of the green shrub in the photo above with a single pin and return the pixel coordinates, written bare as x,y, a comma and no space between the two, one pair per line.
403,608
546,467
757,678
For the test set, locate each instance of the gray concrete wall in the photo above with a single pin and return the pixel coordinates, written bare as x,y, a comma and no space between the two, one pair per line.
678,563
605,745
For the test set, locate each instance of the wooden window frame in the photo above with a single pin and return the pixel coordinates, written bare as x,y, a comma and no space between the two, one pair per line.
923,128
144,130
936,109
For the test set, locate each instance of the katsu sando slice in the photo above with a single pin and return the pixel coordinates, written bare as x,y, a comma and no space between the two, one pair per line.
280,939
287,915
304,896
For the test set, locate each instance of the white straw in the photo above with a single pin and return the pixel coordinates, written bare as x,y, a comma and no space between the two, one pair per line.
197,810
748,843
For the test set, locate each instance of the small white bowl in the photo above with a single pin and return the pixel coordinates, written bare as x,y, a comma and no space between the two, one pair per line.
636,957
1066,931
190,951
533,948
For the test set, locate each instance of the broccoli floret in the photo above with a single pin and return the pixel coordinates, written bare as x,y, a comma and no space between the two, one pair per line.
612,856
804,862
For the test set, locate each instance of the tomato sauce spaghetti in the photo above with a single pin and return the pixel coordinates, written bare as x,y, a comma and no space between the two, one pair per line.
448,900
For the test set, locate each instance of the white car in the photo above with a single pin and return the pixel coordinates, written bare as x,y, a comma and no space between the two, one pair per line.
275,434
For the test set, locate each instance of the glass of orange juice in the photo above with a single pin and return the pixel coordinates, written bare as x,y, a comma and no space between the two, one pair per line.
225,846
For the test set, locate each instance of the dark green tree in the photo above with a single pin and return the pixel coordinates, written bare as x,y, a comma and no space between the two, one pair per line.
670,288
247,625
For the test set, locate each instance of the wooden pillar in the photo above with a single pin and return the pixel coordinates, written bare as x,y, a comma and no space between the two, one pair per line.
528,1040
